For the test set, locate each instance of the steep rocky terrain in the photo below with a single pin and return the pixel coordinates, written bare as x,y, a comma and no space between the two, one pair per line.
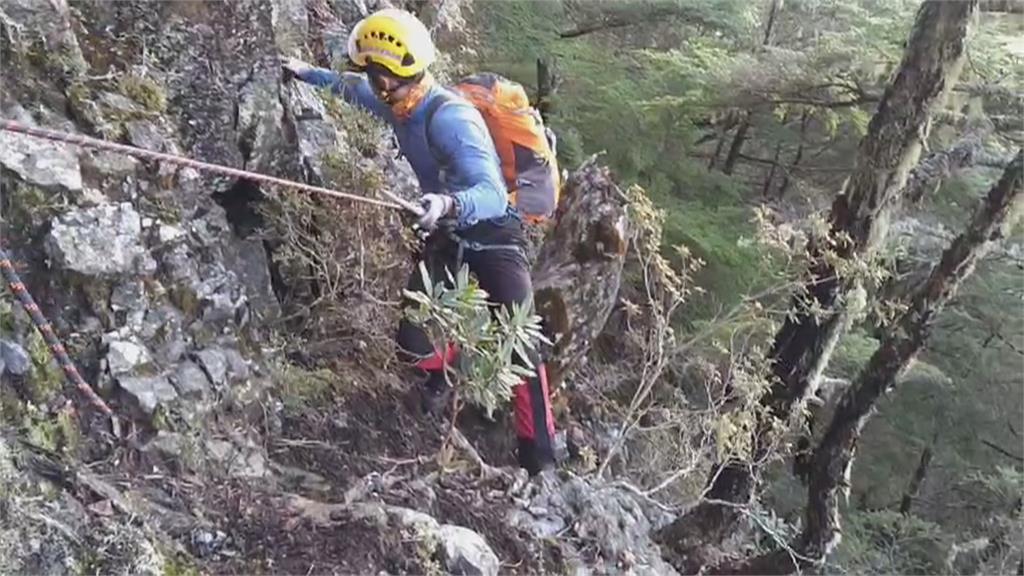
258,434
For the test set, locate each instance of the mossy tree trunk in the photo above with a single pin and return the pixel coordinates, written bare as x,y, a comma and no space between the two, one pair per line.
833,457
858,222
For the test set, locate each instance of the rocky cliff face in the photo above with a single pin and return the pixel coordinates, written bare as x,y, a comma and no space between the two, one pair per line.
178,299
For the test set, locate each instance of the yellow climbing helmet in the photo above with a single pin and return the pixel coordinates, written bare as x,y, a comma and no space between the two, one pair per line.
394,39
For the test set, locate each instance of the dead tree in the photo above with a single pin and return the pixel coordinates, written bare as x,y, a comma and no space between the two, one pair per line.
910,496
833,457
858,223
578,270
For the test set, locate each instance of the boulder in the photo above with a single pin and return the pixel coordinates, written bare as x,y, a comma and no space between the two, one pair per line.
241,462
466,552
215,364
463,550
148,392
124,357
190,380
103,240
615,523
50,165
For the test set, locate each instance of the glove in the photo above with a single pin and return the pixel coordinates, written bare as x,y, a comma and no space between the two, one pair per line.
293,66
435,207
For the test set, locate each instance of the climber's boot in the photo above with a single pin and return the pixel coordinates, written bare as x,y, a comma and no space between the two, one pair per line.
435,394
535,425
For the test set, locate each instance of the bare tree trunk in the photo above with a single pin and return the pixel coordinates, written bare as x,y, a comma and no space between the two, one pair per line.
772,13
833,458
736,147
784,187
915,481
767,187
547,83
718,152
859,221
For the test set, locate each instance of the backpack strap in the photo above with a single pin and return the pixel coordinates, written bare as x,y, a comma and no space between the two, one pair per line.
436,103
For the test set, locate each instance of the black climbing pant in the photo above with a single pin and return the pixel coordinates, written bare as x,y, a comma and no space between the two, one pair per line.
495,255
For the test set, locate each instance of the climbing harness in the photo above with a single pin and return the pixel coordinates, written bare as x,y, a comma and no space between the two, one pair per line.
396,201
28,303
46,330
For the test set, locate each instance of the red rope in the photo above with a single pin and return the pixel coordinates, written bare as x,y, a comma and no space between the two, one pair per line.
46,330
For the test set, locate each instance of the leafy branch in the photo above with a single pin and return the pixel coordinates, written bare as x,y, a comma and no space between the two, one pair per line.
488,341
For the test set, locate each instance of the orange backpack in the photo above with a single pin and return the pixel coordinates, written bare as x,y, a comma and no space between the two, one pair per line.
525,146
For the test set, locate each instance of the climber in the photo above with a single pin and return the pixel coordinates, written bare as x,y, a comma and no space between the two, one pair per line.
465,205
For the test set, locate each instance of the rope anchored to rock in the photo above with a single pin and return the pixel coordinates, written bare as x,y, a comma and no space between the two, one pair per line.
396,202
28,303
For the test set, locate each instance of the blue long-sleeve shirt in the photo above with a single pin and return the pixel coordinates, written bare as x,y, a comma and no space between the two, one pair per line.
470,170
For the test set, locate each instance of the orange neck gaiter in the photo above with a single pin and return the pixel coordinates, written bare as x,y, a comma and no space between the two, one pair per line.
402,110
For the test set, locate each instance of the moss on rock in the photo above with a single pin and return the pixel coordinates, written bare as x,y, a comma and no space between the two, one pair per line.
144,90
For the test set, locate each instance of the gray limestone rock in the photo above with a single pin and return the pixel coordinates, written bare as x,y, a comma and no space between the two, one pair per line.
215,365
615,522
238,367
463,550
190,380
102,240
250,264
240,462
124,357
15,358
148,392
41,162
146,135
466,552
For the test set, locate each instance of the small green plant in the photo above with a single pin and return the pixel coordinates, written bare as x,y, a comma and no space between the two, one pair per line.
488,343
143,90
427,546
303,388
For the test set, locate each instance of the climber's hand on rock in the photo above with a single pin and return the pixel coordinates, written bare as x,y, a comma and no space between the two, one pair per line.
435,207
293,66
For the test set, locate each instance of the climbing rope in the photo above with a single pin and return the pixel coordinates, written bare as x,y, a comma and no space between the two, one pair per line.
46,330
26,300
87,142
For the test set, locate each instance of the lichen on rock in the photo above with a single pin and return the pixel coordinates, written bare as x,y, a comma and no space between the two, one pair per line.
103,240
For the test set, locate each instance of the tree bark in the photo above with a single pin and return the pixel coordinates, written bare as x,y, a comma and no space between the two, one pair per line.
770,26
767,187
577,273
858,222
915,481
718,152
930,172
786,177
547,83
833,458
736,147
